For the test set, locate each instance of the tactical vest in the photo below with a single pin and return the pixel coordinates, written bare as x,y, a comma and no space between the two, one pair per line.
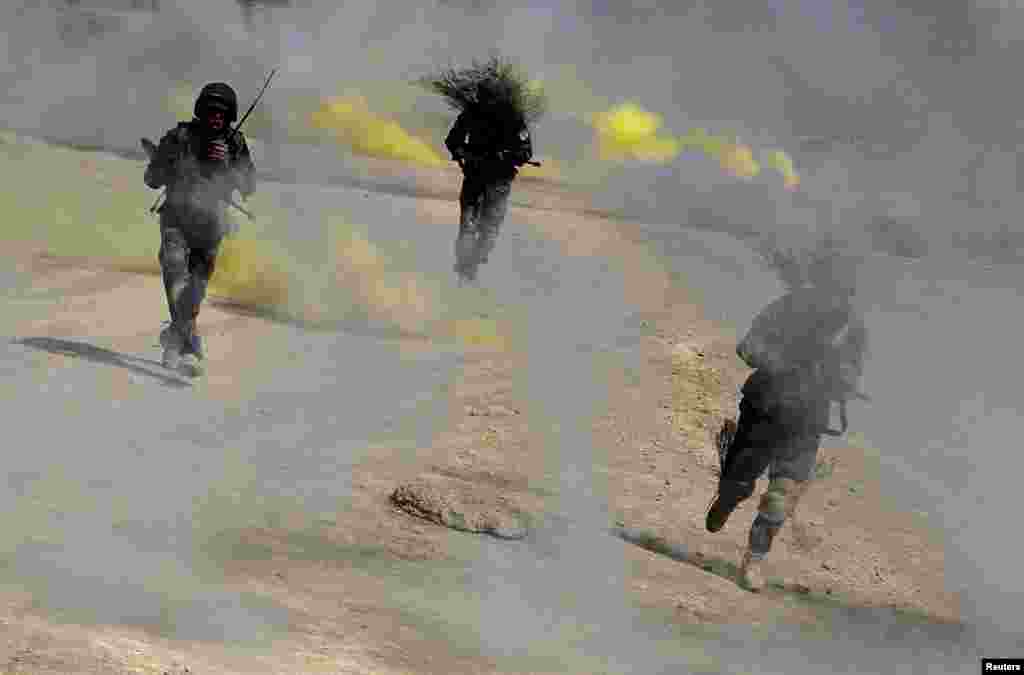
198,186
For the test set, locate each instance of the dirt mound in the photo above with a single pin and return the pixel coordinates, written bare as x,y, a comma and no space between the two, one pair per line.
462,506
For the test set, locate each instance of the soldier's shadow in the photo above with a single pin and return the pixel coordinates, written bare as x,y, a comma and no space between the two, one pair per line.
720,567
675,551
83,350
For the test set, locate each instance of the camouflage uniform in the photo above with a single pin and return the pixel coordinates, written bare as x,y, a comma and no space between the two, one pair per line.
807,349
489,146
192,218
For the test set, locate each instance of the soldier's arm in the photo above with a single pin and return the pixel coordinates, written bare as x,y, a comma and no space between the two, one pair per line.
160,170
456,138
763,347
244,171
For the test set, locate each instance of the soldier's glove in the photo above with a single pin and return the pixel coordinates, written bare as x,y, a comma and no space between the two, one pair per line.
217,151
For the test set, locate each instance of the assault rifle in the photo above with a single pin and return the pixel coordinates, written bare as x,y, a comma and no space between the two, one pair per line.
479,158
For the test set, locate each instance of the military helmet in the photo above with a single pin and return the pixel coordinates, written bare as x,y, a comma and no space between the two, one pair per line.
218,95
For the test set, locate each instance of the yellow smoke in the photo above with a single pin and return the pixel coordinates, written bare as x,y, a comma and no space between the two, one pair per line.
378,286
781,162
738,160
627,131
350,122
248,273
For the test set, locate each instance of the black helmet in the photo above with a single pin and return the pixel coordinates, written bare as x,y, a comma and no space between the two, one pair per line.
219,95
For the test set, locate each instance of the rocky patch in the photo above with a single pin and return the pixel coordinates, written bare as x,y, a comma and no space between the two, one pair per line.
462,506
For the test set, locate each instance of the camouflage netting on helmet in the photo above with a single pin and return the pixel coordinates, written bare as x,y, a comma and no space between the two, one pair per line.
506,85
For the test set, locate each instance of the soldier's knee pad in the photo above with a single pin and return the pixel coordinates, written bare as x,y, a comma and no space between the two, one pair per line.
173,259
780,500
762,534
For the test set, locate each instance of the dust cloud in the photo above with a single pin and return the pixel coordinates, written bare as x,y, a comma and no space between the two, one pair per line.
900,117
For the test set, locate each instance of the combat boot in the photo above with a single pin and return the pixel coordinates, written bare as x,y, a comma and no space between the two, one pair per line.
192,351
173,344
730,494
193,343
718,514
751,577
466,274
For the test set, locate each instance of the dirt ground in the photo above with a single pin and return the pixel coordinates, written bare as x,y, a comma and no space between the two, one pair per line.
846,547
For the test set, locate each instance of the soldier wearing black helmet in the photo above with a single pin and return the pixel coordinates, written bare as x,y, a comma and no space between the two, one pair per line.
200,163
807,349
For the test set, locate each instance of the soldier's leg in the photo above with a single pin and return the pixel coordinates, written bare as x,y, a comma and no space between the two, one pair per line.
174,263
748,455
789,478
202,262
465,242
492,215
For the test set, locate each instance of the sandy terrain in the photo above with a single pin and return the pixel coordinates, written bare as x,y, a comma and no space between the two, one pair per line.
341,577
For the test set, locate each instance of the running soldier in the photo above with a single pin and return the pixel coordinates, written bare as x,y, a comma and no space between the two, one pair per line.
807,349
490,140
201,163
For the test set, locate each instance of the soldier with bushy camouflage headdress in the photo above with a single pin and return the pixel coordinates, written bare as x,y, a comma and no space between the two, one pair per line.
201,163
807,349
490,140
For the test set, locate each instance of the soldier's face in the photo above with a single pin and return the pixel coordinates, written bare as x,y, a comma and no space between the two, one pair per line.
215,120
